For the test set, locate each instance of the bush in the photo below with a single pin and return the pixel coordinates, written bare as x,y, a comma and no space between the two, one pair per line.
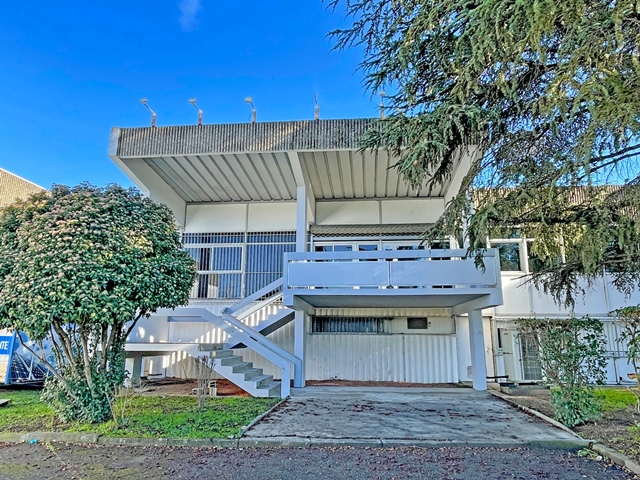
572,358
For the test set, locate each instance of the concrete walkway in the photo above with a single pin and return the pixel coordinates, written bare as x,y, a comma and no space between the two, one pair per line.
403,416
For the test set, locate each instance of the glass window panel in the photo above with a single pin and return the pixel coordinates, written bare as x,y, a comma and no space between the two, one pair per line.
509,256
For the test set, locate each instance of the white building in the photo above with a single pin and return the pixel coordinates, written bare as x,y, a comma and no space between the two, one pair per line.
311,268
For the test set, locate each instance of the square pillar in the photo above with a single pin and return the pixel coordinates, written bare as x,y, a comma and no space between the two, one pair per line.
133,365
301,219
476,339
299,348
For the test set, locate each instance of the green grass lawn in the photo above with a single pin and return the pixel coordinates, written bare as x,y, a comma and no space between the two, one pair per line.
144,416
615,398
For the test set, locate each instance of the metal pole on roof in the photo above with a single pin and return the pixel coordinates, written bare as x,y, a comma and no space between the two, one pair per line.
254,112
192,101
143,101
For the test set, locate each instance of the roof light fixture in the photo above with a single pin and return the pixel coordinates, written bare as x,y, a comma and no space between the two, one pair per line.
254,112
192,101
143,101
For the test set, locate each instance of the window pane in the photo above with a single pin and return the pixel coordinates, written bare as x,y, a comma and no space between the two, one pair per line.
226,258
509,256
360,325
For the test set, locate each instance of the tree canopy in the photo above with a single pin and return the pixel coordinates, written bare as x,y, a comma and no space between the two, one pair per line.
549,90
79,267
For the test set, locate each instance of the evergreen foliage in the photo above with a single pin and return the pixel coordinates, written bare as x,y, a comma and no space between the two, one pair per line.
79,267
547,90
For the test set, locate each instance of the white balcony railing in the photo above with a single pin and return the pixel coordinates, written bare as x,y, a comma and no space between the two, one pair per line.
390,269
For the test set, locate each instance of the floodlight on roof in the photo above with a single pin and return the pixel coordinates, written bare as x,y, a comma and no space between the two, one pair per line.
192,101
254,112
144,101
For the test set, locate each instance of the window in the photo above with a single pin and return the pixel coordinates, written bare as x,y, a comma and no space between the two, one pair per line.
530,358
359,325
235,265
509,256
417,323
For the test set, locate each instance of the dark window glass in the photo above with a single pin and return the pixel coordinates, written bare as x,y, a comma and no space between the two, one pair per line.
417,323
360,325
509,256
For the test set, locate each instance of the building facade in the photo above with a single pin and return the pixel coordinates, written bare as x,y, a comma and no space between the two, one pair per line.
311,265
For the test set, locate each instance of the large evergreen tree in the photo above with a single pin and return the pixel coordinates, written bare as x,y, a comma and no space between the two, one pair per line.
78,268
548,89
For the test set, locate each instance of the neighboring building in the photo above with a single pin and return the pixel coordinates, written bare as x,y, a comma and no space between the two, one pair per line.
315,245
13,187
16,364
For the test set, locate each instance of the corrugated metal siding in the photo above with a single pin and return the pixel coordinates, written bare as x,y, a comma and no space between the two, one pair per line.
243,137
395,358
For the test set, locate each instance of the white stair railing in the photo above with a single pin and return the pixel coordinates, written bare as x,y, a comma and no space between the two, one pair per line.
252,303
253,340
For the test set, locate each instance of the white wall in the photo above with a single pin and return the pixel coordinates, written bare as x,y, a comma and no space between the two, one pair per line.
238,217
365,212
525,300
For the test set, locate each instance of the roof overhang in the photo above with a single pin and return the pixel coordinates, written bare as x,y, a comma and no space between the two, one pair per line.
260,161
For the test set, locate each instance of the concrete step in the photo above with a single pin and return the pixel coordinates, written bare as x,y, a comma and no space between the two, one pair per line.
242,367
252,373
270,390
211,347
263,380
231,360
222,353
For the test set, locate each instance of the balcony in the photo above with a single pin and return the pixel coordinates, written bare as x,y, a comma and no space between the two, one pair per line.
392,279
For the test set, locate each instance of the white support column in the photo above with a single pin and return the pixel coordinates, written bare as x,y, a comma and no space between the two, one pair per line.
478,362
299,348
133,365
301,219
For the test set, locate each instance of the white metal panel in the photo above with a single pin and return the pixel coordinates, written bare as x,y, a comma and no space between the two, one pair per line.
516,298
216,218
446,272
594,302
618,299
544,306
272,216
358,212
423,210
397,358
152,329
333,274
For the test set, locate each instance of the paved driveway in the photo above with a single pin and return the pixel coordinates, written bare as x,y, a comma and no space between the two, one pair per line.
398,416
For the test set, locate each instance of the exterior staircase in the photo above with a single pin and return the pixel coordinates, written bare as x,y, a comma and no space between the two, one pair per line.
235,369
228,364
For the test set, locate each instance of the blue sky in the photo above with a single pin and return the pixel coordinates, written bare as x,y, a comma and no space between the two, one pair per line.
73,69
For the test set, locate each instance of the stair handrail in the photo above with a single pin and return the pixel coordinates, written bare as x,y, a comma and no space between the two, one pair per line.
258,337
272,287
252,339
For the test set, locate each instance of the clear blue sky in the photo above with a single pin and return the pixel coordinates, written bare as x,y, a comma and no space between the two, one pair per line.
72,70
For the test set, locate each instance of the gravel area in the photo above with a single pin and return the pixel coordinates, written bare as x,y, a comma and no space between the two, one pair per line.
61,461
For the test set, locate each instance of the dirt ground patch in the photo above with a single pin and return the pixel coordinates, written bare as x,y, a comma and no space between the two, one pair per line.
611,430
61,461
179,386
